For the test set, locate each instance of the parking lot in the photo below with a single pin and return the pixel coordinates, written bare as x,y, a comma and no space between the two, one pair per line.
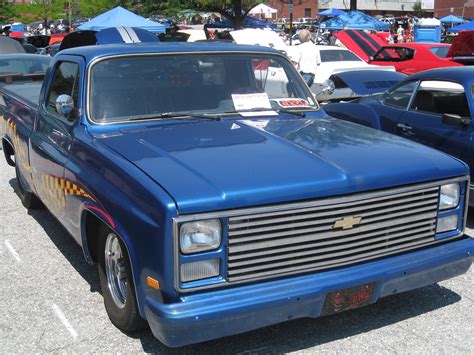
50,302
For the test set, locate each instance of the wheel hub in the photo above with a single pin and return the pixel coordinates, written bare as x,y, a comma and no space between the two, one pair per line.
116,271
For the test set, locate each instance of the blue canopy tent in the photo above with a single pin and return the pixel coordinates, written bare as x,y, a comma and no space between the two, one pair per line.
451,19
331,13
354,20
121,17
469,26
249,22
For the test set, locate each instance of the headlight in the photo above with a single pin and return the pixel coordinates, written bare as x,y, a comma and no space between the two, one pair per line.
328,87
446,224
449,196
199,236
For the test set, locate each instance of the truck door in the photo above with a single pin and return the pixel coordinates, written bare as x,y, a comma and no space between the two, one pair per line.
51,140
423,122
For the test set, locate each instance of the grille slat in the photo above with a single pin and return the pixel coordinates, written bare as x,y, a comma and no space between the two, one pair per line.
336,263
379,235
234,225
338,205
364,227
328,235
328,253
304,239
336,215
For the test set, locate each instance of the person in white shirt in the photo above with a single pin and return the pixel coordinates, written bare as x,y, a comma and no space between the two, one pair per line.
307,58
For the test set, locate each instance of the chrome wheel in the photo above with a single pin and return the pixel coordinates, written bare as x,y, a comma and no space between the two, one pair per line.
115,270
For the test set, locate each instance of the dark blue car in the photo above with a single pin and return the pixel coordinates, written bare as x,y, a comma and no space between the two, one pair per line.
434,108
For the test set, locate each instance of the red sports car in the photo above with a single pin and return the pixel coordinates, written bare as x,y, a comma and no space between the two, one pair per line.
411,58
408,58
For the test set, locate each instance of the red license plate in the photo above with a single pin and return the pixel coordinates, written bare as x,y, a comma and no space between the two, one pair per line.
348,298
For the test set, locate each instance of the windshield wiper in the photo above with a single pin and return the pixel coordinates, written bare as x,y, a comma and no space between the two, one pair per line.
177,115
264,109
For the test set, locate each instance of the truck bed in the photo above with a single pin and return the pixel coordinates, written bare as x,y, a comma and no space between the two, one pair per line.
27,91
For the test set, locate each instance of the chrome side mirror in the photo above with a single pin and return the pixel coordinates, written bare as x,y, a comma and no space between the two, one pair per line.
64,104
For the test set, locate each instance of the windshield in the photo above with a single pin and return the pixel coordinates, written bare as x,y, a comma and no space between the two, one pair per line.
394,54
35,64
338,55
441,52
132,87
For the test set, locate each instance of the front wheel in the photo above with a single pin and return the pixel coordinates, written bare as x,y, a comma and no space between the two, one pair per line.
116,282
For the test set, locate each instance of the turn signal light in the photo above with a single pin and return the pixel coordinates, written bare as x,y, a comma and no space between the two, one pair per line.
150,281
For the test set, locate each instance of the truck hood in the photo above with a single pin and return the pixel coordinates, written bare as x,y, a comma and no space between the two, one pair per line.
216,165
361,43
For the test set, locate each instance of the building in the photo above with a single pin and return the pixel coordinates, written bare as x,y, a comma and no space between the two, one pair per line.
460,8
381,7
301,8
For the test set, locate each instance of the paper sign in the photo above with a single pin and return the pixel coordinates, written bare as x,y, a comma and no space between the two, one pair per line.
287,103
244,102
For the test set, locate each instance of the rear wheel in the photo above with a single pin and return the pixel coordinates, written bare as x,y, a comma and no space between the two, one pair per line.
116,281
28,199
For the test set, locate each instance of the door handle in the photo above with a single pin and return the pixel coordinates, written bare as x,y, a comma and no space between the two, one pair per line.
404,127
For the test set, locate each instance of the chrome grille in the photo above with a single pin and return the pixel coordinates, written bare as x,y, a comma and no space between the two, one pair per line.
297,240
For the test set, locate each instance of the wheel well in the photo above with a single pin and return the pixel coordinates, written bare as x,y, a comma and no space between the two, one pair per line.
8,151
92,225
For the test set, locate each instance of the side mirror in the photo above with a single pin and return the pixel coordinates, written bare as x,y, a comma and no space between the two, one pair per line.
64,104
455,120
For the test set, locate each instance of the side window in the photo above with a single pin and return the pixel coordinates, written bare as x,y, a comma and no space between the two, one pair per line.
65,82
400,96
440,97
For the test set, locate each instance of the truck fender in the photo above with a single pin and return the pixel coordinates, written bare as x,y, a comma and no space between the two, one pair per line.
354,112
90,222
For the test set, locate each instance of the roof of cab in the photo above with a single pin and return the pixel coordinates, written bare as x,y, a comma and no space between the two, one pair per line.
464,75
92,52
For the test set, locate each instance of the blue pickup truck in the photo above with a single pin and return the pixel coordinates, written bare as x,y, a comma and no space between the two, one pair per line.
216,202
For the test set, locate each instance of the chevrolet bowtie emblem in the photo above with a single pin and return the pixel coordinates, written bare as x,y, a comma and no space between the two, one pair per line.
347,222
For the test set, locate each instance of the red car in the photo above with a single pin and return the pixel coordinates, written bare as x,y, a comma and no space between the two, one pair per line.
411,58
407,58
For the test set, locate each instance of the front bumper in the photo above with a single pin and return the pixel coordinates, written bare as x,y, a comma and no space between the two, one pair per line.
219,313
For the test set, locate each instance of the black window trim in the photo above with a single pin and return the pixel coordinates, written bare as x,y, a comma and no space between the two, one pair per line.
410,109
382,101
44,104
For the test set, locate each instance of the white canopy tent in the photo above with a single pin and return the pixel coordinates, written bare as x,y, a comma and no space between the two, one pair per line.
262,9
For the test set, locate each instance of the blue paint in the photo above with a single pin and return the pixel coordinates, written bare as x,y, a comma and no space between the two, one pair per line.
144,174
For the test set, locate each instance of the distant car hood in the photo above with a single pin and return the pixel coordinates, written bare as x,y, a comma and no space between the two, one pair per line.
365,45
369,82
330,68
463,45
217,165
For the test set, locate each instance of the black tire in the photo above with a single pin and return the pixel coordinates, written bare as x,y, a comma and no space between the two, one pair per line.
128,317
28,199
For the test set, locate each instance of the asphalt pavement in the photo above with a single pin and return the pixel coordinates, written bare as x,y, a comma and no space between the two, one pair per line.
50,302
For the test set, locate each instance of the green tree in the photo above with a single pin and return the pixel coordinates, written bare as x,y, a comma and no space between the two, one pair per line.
43,10
418,9
92,8
8,12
